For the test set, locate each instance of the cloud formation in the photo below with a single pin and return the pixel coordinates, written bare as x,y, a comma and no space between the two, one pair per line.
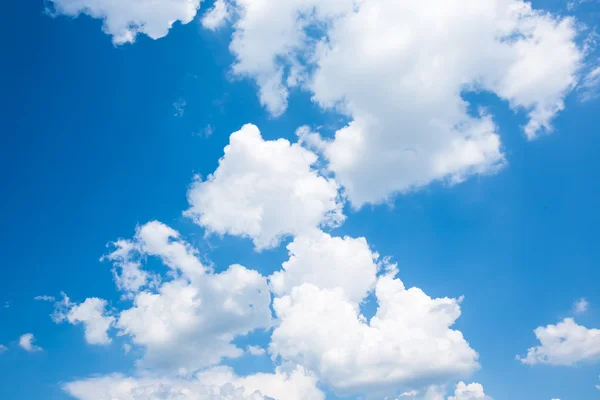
264,190
398,71
26,342
565,343
124,20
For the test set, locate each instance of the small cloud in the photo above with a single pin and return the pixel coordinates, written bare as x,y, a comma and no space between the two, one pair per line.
589,89
580,306
26,343
255,350
7,304
3,348
179,107
126,348
207,131
45,298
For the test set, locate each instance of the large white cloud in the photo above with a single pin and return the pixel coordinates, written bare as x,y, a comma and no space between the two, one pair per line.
219,383
124,20
91,313
264,190
398,70
328,263
189,321
565,343
407,344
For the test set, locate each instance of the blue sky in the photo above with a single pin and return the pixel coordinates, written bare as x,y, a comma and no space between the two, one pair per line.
93,146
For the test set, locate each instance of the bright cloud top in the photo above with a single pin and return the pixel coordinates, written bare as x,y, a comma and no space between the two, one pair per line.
328,263
264,190
565,343
124,20
472,391
398,71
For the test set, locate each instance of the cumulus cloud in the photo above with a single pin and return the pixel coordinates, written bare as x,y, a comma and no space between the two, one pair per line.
407,344
398,71
328,263
472,391
124,20
264,190
26,342
91,313
219,383
189,321
565,343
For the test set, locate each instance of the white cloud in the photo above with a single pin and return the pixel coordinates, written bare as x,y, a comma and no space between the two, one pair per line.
256,350
264,190
580,306
45,298
328,263
219,383
190,320
91,313
3,348
26,343
590,85
565,343
124,20
472,391
217,16
398,71
179,106
407,343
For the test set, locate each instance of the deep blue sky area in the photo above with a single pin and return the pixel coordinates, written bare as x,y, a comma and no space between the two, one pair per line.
90,147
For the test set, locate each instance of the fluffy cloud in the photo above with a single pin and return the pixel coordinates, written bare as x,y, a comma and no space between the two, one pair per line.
91,313
565,343
398,71
189,321
407,343
472,391
219,383
26,343
328,263
124,20
264,190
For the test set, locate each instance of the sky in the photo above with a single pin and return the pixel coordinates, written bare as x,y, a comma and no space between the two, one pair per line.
251,200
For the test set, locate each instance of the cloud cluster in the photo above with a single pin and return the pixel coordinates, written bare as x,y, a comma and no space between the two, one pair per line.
398,71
